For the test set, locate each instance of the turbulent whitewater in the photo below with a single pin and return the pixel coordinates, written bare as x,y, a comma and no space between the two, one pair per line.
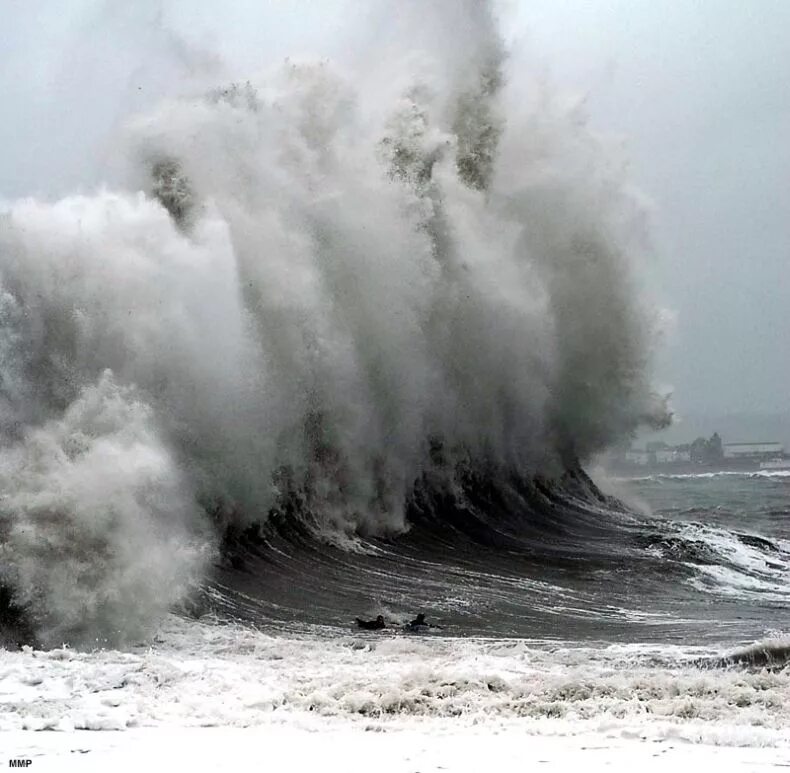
319,296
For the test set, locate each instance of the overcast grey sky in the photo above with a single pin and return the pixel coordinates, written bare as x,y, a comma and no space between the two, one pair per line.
699,90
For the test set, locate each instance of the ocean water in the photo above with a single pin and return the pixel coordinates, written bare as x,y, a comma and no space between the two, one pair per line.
730,530
708,564
681,640
338,340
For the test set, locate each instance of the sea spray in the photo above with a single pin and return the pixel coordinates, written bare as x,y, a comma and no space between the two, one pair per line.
304,285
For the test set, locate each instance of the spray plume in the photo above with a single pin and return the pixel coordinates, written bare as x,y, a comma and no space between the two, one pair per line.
304,285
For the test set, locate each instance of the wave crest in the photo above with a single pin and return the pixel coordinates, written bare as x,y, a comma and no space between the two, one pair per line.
329,276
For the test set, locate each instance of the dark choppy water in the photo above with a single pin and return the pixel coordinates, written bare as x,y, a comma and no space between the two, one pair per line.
755,502
709,564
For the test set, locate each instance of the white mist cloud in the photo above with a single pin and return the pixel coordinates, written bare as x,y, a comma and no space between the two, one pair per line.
415,243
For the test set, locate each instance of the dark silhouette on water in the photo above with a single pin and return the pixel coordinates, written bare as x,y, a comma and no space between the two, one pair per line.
419,625
372,625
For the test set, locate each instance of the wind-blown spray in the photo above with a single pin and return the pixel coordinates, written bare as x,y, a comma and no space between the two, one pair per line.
308,283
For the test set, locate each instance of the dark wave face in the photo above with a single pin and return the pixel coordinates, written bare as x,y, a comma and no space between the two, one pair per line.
505,556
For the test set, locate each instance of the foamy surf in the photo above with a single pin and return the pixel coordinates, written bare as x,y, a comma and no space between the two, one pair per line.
202,674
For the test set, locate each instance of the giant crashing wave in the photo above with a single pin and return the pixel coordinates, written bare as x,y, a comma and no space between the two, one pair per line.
344,303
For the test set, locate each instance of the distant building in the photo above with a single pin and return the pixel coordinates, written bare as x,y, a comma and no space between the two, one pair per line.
635,456
752,450
707,452
672,456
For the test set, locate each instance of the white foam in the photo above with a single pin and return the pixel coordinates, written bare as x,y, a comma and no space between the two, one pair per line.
208,675
742,570
659,476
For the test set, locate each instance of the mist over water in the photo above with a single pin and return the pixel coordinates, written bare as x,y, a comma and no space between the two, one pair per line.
317,284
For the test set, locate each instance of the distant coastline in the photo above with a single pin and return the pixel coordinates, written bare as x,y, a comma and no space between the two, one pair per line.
700,456
633,471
